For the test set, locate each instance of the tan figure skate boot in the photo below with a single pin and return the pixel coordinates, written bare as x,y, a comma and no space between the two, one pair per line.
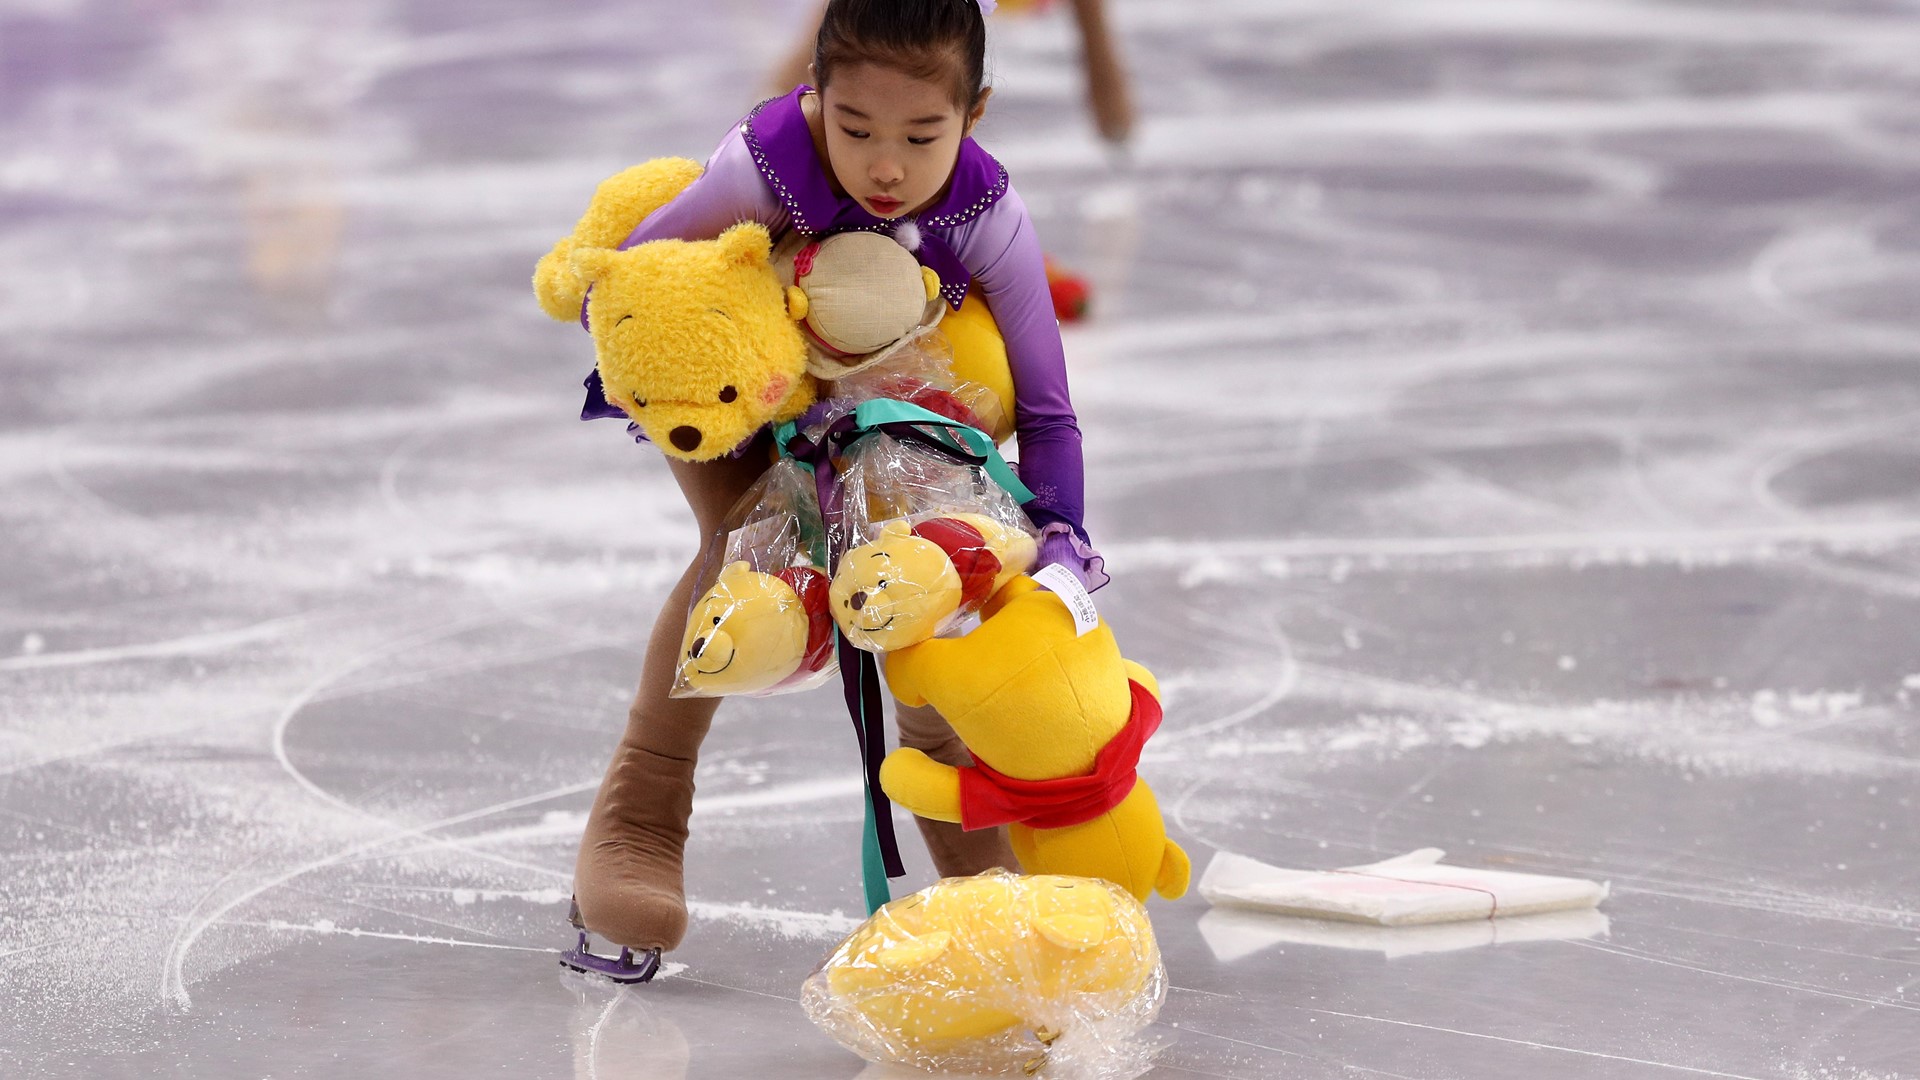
628,883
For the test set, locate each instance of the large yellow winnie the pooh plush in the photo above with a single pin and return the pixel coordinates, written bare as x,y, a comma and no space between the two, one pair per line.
696,340
1054,722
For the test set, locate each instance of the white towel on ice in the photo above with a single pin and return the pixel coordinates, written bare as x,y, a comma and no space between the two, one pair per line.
1407,890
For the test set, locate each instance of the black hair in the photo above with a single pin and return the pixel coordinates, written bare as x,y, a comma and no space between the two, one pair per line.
922,39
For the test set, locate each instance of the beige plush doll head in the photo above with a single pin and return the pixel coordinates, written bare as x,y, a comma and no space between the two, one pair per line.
861,297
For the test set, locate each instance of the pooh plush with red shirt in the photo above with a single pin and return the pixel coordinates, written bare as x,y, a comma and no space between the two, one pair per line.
1055,722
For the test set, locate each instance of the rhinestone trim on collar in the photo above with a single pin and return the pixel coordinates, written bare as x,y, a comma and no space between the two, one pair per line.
969,212
772,178
792,204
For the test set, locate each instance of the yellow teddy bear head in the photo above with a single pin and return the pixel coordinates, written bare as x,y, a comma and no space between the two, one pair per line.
753,631
696,340
894,591
903,587
972,968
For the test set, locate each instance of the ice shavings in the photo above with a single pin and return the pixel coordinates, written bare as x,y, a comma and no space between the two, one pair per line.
790,924
1765,732
1336,558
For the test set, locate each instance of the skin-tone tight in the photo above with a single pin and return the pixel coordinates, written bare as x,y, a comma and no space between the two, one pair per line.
628,878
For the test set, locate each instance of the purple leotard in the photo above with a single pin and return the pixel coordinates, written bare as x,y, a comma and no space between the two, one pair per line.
978,235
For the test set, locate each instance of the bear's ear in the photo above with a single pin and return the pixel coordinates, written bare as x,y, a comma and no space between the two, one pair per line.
1144,677
797,304
734,570
932,281
747,244
896,527
914,952
1077,933
1075,915
592,264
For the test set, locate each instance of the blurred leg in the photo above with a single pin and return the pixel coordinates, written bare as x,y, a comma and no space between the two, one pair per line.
1107,92
628,880
792,69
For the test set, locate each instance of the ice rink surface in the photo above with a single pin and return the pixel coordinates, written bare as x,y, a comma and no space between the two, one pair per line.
1501,423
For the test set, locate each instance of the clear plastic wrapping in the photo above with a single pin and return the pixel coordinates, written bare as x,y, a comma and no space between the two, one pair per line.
924,539
1002,974
922,374
759,622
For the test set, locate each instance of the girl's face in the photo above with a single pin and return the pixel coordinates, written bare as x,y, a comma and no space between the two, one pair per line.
892,139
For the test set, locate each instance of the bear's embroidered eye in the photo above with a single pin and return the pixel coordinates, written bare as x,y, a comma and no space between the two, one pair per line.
640,401
716,620
728,394
623,318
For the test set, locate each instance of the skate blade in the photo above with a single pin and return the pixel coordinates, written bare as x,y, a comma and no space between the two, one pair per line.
625,968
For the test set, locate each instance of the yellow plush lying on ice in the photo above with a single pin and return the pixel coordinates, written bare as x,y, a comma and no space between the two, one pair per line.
1057,721
986,971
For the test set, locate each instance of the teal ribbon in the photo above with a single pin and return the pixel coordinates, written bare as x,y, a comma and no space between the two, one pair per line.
870,416
858,672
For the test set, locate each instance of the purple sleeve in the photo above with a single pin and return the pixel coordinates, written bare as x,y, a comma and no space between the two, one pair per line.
1003,252
729,192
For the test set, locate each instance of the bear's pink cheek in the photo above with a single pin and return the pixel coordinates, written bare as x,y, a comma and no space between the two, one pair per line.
776,390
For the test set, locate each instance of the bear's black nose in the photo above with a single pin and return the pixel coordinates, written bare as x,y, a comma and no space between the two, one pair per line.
857,601
699,646
685,439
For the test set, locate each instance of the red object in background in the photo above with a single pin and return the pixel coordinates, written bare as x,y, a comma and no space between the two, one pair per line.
1070,292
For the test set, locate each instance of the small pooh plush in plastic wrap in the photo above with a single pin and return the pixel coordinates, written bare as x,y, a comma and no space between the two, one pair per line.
759,624
1001,974
926,540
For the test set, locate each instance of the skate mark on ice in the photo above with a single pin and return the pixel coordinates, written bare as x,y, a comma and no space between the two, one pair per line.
325,928
385,650
1283,687
1761,482
1722,546
173,648
1778,984
1538,1045
593,1033
173,989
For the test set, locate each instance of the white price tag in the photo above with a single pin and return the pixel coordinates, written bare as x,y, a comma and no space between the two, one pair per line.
1060,581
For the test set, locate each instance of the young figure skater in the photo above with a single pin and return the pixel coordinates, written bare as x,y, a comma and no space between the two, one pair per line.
884,141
